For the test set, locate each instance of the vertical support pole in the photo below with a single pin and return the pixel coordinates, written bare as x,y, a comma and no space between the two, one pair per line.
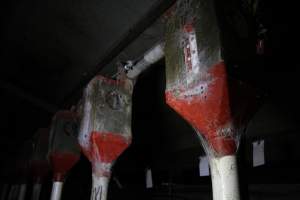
56,190
22,191
36,191
224,178
105,130
99,187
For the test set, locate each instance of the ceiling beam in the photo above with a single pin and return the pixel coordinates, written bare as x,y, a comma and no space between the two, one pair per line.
14,90
156,11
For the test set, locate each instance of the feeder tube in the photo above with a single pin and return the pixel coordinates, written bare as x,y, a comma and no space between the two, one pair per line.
99,187
56,190
150,57
224,178
36,191
22,191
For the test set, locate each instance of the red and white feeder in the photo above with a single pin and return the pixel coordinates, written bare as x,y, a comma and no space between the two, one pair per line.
199,89
39,162
105,130
64,150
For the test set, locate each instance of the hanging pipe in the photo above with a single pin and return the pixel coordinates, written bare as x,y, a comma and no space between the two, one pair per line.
223,172
57,187
150,57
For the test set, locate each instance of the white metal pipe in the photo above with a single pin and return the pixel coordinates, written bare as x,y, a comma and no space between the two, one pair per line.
215,180
56,190
36,191
22,191
99,188
150,57
224,177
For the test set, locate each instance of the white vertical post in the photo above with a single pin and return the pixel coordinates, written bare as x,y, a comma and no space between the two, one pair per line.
100,187
36,191
56,190
224,178
22,191
149,180
150,57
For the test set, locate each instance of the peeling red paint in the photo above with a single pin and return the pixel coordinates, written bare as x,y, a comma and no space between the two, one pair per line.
210,111
61,163
105,147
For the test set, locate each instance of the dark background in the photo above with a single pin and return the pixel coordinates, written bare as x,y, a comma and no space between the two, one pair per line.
50,49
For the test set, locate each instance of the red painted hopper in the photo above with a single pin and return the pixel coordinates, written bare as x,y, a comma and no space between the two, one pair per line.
198,87
64,150
106,124
105,130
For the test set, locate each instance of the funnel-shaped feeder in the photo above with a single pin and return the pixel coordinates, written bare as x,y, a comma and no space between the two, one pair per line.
39,162
105,130
199,89
64,150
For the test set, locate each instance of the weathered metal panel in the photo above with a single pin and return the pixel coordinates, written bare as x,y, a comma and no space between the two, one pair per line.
106,124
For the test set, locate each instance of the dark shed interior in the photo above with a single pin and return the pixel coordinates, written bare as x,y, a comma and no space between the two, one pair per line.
51,49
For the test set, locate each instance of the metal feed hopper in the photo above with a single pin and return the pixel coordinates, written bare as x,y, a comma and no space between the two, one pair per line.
105,130
199,89
64,150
